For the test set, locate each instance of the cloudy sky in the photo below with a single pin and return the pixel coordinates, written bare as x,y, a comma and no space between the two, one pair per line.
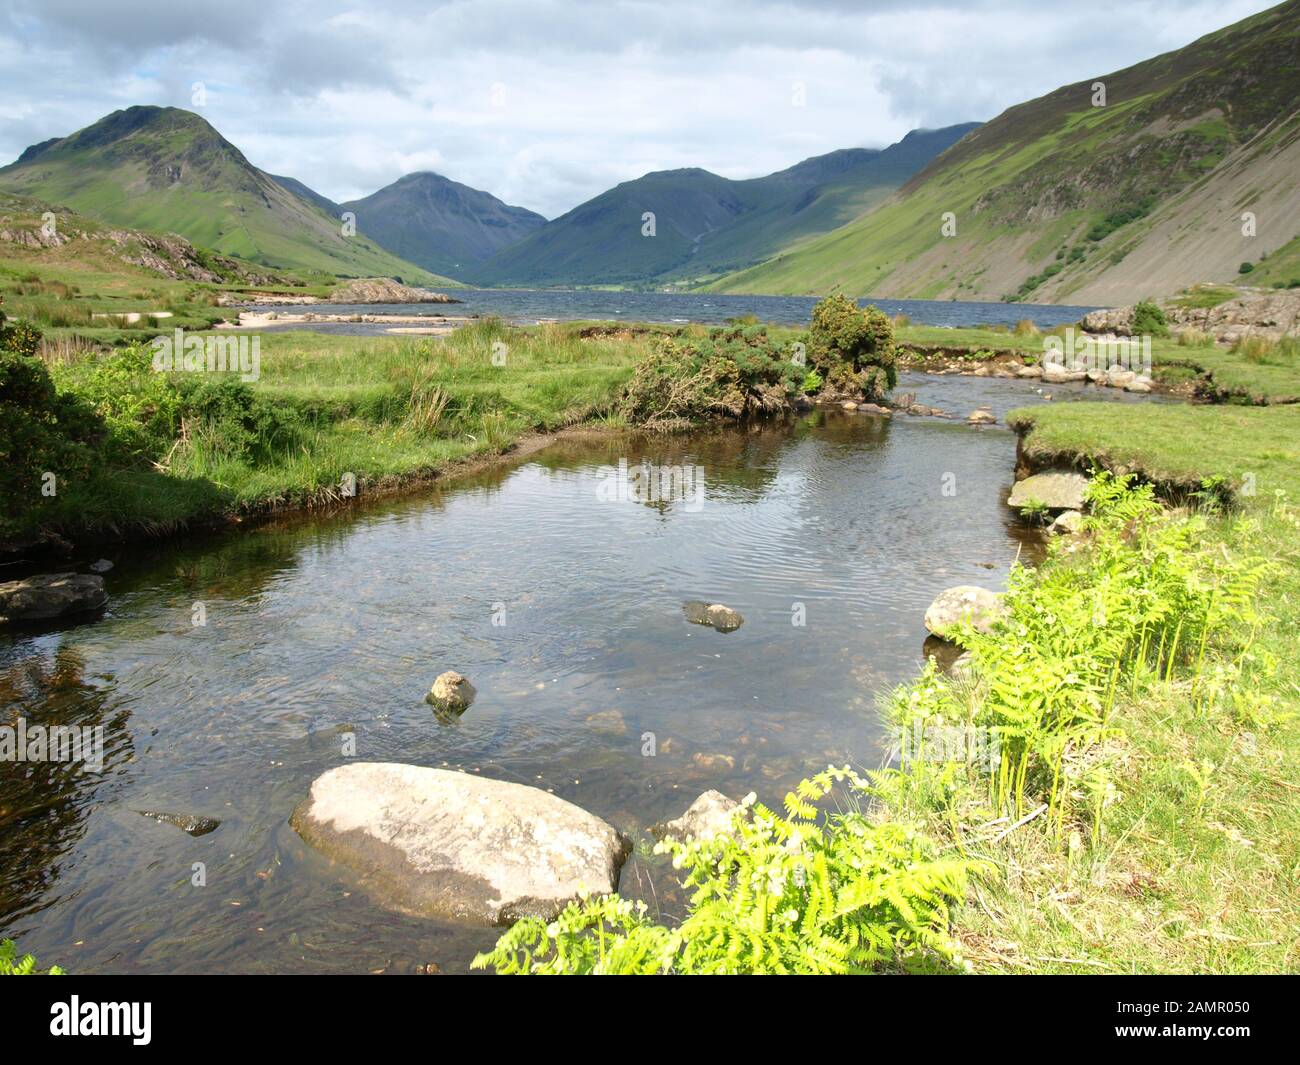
546,103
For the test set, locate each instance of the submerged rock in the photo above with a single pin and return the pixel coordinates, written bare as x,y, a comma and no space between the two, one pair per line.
722,618
435,843
713,761
102,566
1055,489
451,693
966,602
708,816
194,825
50,595
609,721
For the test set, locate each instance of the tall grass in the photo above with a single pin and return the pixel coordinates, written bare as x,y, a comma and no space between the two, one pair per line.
1282,351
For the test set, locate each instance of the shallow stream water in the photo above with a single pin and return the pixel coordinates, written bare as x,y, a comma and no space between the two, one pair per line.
338,624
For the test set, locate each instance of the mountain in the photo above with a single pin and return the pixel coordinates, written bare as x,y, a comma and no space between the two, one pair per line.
166,170
1058,200
441,224
310,195
705,224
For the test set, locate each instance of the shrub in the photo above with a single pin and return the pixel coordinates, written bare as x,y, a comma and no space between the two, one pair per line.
1245,268
853,348
140,407
1121,217
1149,320
19,338
730,372
41,431
782,895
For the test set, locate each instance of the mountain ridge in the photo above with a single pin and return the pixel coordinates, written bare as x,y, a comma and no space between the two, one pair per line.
705,223
1058,200
167,170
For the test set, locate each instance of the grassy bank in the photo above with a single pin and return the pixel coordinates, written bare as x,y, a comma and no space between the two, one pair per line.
1183,852
110,444
186,448
1251,371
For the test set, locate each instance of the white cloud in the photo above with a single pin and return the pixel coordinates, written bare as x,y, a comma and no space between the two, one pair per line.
546,103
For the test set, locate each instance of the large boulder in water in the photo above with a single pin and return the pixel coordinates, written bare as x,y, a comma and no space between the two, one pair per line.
435,843
51,595
966,602
1055,489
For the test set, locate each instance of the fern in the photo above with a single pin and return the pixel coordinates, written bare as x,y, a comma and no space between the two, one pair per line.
806,892
12,964
1140,606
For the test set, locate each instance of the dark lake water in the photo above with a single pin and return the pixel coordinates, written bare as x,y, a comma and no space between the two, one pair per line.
340,623
529,306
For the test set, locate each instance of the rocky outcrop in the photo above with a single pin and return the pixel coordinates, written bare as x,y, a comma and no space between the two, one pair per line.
722,618
966,602
1055,489
385,290
434,843
451,693
51,595
165,254
1267,314
708,816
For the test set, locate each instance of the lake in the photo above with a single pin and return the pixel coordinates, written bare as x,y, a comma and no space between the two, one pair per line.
528,306
324,626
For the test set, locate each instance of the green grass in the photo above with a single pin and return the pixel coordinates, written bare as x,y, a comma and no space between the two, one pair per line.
385,410
1252,448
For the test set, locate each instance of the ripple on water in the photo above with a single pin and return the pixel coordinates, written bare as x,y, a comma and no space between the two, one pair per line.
829,535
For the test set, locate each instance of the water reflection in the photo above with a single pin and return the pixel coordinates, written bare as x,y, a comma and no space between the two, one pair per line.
830,534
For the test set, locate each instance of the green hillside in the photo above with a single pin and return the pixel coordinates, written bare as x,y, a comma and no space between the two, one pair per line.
1060,200
166,170
706,225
